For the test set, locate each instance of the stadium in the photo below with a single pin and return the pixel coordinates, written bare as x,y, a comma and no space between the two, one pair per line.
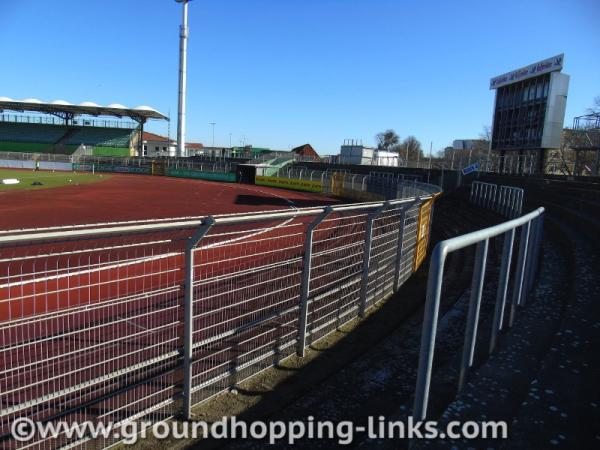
186,282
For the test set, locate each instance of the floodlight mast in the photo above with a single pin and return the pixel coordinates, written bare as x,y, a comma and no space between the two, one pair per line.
183,35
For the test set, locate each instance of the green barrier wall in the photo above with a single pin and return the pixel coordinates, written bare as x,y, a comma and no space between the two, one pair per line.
25,147
110,151
111,168
212,176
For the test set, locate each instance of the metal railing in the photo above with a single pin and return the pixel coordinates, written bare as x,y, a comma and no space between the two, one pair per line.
351,185
18,156
80,157
105,321
506,200
531,226
77,121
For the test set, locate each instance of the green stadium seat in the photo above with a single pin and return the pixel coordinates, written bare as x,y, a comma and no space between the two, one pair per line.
102,137
34,133
42,138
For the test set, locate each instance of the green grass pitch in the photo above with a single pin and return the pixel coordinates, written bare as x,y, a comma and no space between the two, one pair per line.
48,179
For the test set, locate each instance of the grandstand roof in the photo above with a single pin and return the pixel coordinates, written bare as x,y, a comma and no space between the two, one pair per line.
139,113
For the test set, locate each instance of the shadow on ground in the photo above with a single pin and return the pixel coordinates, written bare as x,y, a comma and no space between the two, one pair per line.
257,200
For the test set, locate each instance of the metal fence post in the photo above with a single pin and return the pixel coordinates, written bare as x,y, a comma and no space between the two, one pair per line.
305,288
188,318
362,305
538,244
400,244
510,203
520,272
485,195
430,321
517,208
503,278
473,314
498,204
528,281
513,208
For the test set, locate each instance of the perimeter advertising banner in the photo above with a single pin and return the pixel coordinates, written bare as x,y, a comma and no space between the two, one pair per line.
212,176
289,183
110,168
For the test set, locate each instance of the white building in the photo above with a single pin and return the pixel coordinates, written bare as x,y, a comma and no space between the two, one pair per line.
155,145
383,158
353,152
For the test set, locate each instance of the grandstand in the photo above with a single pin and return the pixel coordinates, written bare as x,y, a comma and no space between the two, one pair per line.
60,129
36,138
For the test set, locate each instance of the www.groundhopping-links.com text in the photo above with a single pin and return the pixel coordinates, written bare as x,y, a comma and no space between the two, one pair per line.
344,432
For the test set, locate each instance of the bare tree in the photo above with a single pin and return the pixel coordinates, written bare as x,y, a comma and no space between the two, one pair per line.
486,133
410,149
564,160
595,109
387,140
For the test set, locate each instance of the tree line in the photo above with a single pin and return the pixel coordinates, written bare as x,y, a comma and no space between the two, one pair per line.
409,149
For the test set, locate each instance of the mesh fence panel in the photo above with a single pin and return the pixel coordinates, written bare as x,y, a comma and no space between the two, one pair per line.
336,269
384,252
246,286
90,331
92,328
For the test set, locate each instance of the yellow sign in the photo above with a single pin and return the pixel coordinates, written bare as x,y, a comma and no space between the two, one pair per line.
337,183
422,233
289,183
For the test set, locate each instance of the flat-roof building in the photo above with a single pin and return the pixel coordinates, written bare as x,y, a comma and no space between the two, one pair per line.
353,152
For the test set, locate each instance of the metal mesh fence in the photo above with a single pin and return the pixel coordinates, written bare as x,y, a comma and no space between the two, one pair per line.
94,320
505,200
359,187
90,330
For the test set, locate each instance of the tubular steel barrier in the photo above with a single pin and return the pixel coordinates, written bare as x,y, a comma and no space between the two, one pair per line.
372,187
507,201
187,168
140,321
531,226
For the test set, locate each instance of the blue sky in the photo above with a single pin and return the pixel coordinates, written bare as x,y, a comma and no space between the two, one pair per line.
286,72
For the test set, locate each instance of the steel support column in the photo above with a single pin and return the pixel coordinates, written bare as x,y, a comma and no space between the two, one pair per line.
305,288
503,279
473,314
520,273
188,314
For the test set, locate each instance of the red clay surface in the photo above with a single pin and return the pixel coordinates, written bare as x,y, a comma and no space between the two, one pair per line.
133,197
71,317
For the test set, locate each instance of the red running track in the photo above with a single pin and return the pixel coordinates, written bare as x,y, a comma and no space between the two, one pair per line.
140,197
118,198
48,350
